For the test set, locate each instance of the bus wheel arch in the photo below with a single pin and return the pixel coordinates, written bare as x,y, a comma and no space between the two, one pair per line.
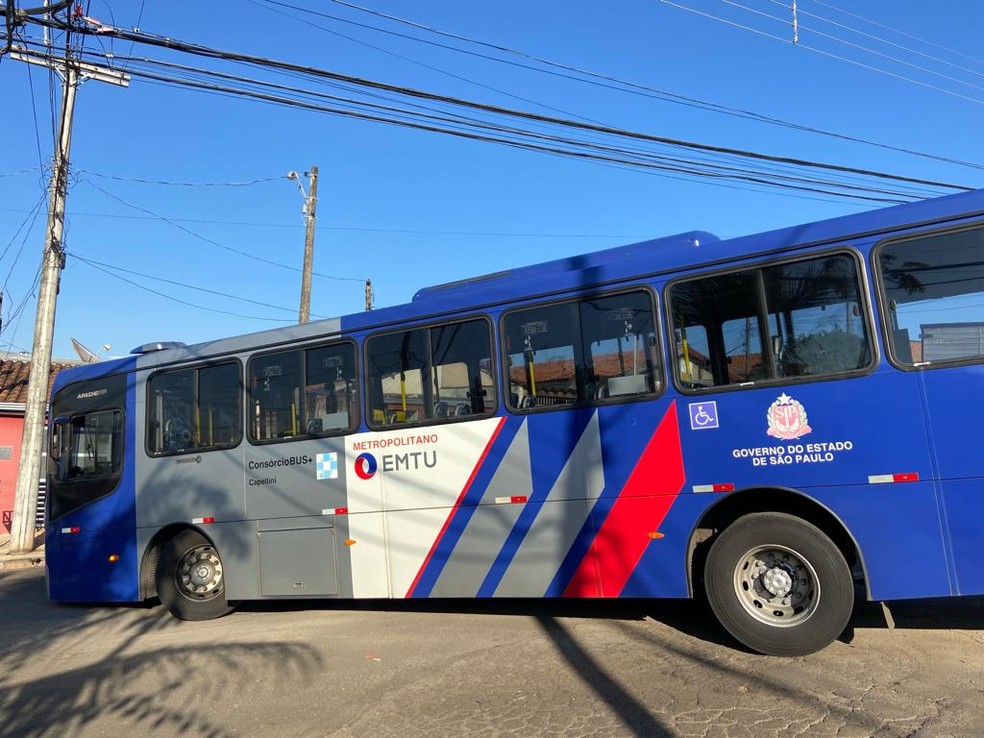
776,569
152,556
184,568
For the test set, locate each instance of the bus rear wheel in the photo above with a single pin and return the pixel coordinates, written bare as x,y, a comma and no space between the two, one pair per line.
190,580
778,584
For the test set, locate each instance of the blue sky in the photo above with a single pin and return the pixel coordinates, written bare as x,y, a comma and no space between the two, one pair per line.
410,208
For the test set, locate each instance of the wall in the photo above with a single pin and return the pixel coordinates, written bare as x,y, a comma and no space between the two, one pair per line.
11,429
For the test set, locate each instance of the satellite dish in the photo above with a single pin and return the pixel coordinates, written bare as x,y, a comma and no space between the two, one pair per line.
87,356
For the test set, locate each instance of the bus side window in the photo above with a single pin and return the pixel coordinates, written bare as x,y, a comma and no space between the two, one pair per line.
934,294
330,389
621,354
542,355
593,349
433,373
797,319
170,412
303,392
196,408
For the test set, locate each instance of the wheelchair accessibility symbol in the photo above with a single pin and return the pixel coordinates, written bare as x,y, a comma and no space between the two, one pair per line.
703,415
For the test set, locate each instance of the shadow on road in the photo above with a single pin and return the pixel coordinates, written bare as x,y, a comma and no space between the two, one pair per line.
632,713
690,617
134,681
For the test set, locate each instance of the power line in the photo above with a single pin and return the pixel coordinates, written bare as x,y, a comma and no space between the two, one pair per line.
349,229
866,49
445,99
19,172
12,324
670,165
200,237
442,119
822,52
901,33
595,77
409,59
32,216
681,167
879,39
158,278
175,299
246,183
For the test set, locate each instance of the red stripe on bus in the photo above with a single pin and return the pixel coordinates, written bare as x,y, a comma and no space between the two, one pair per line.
457,504
640,508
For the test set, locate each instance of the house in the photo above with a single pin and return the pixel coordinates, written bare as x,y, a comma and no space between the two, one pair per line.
14,372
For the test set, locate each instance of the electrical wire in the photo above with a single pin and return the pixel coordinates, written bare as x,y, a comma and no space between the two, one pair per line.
900,32
530,146
172,298
352,229
866,49
157,278
455,119
27,227
602,80
679,164
433,97
12,324
200,237
246,183
414,61
822,52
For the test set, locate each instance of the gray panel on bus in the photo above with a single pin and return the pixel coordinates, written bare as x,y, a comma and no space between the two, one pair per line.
297,562
285,480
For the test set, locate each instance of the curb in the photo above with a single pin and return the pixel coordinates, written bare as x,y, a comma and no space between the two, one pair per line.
13,561
21,561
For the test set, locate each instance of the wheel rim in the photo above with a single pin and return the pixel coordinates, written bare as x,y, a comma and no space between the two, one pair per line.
199,574
777,586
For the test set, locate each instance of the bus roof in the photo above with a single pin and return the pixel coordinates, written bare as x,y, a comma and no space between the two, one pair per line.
672,253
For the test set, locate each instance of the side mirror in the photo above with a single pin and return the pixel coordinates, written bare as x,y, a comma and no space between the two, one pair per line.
55,448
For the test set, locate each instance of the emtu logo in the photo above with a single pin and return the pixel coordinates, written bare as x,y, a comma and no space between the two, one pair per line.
365,466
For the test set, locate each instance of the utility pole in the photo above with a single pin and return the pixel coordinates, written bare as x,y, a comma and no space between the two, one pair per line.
310,204
52,262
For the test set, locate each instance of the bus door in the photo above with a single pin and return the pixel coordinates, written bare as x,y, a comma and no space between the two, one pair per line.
933,290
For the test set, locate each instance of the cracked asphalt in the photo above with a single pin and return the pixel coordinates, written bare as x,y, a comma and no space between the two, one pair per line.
475,668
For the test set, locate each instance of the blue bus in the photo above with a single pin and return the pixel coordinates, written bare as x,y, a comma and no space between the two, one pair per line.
778,422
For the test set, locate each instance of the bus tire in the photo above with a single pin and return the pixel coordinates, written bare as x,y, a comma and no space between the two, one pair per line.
778,584
190,578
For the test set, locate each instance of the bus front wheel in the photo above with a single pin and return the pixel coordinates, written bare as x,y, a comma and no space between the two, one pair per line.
190,580
778,584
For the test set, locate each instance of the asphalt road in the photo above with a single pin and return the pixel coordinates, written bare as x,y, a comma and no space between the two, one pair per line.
474,668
